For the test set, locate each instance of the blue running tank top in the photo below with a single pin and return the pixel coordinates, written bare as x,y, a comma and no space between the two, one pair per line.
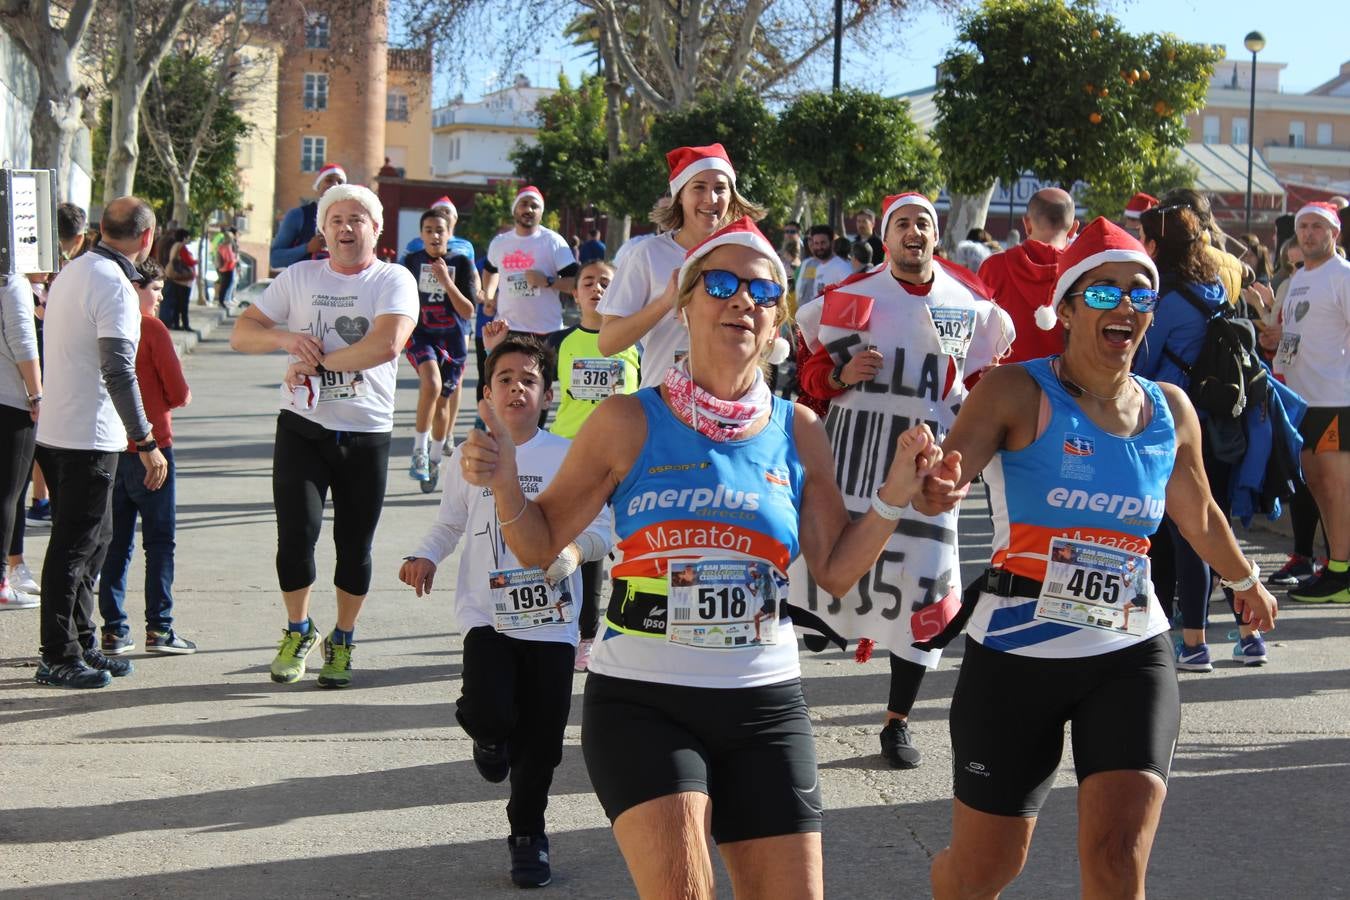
1079,482
690,498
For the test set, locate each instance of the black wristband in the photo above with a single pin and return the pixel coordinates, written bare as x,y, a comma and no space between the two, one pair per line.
837,377
146,446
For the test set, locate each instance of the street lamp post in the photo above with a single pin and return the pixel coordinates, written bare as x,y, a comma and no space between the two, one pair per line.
1254,42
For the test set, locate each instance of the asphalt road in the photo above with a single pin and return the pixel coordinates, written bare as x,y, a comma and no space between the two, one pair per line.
197,776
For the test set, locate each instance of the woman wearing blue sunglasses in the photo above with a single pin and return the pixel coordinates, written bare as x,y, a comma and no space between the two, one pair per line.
694,728
1081,458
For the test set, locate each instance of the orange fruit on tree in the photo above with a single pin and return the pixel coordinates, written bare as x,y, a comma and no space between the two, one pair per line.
1095,118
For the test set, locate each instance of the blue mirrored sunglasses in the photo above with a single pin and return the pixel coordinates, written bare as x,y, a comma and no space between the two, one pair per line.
1108,296
723,285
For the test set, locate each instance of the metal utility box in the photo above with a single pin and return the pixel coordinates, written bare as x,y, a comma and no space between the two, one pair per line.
28,221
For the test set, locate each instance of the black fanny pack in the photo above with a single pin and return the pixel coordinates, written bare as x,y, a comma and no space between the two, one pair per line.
1000,583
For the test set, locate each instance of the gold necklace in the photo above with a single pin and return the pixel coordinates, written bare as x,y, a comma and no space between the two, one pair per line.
1078,390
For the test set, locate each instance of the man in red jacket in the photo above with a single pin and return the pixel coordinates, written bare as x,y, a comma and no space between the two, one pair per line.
163,389
1022,278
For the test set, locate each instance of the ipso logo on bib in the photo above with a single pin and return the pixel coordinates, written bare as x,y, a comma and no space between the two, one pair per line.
1119,505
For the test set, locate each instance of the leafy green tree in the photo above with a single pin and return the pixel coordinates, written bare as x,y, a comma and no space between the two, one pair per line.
1064,92
1108,196
568,161
856,146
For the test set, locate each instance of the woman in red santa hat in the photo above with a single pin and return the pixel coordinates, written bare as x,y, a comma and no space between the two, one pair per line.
1081,459
639,305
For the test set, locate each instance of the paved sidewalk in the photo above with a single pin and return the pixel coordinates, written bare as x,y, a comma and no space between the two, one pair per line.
197,776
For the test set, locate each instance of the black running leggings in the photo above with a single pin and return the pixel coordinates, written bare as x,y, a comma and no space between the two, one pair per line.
308,462
17,435
592,579
906,677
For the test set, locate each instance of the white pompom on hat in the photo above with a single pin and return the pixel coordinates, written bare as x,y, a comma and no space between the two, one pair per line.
329,169
358,192
909,198
1101,242
528,190
1327,211
686,162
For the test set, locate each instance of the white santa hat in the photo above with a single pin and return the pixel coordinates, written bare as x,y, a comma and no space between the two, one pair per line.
1101,242
361,194
528,190
1322,210
909,198
744,233
327,170
447,203
686,162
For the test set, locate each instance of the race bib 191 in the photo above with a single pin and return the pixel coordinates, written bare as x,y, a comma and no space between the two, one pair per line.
723,604
521,599
1095,586
341,386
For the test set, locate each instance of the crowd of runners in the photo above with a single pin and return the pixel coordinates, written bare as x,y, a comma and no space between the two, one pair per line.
745,452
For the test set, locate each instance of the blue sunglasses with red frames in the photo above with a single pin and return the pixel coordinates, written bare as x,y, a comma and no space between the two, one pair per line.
1108,296
723,285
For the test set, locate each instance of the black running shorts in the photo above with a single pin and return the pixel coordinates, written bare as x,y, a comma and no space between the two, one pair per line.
750,750
1008,716
1321,429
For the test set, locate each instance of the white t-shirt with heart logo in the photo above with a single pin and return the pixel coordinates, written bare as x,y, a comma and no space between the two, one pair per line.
1314,354
311,298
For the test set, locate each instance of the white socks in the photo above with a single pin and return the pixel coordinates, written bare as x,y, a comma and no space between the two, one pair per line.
420,440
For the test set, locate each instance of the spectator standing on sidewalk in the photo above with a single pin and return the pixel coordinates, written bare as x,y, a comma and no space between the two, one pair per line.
180,271
227,261
163,389
20,401
93,406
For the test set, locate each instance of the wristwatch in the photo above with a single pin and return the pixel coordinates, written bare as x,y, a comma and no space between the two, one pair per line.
146,446
837,378
549,279
884,509
1244,584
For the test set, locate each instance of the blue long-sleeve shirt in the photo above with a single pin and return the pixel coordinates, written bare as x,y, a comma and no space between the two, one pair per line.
1178,327
289,245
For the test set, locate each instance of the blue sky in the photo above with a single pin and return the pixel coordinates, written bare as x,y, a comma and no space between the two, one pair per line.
1302,33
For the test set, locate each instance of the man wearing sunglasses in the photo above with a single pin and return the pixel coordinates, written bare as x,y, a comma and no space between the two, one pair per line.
892,347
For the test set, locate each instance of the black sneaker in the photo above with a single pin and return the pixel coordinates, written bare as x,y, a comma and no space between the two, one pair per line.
71,675
1326,587
168,642
117,644
492,761
95,659
529,861
897,747
1295,570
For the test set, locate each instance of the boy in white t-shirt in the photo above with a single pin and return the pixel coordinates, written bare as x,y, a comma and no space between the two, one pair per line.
519,624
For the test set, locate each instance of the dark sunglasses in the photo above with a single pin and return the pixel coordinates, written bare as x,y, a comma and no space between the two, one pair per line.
723,285
1108,296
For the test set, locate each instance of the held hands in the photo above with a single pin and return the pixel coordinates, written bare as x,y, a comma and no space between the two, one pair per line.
1256,607
863,366
418,574
940,492
494,333
917,454
488,458
303,347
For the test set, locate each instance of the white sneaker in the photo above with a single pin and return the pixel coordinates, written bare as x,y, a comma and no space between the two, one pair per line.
23,579
10,598
583,660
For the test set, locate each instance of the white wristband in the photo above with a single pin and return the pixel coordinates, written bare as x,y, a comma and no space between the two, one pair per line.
884,509
1244,584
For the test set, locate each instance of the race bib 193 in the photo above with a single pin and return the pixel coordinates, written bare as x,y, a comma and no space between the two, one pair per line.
521,599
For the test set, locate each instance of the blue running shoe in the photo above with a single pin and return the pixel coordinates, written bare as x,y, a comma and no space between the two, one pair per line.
1194,659
1251,650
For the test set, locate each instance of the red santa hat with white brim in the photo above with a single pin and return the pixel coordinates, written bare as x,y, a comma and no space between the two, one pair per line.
743,233
895,202
1327,211
329,169
1101,242
686,162
361,194
1139,204
528,190
447,203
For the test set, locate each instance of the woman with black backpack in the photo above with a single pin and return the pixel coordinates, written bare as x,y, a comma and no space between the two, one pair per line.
1191,295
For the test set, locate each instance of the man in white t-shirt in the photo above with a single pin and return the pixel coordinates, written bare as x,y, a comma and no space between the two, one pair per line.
527,268
344,321
1312,352
93,404
823,268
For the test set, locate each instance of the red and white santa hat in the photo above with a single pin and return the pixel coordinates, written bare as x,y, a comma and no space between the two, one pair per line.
909,198
447,203
528,190
1327,211
329,169
1101,242
1139,204
686,162
742,232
